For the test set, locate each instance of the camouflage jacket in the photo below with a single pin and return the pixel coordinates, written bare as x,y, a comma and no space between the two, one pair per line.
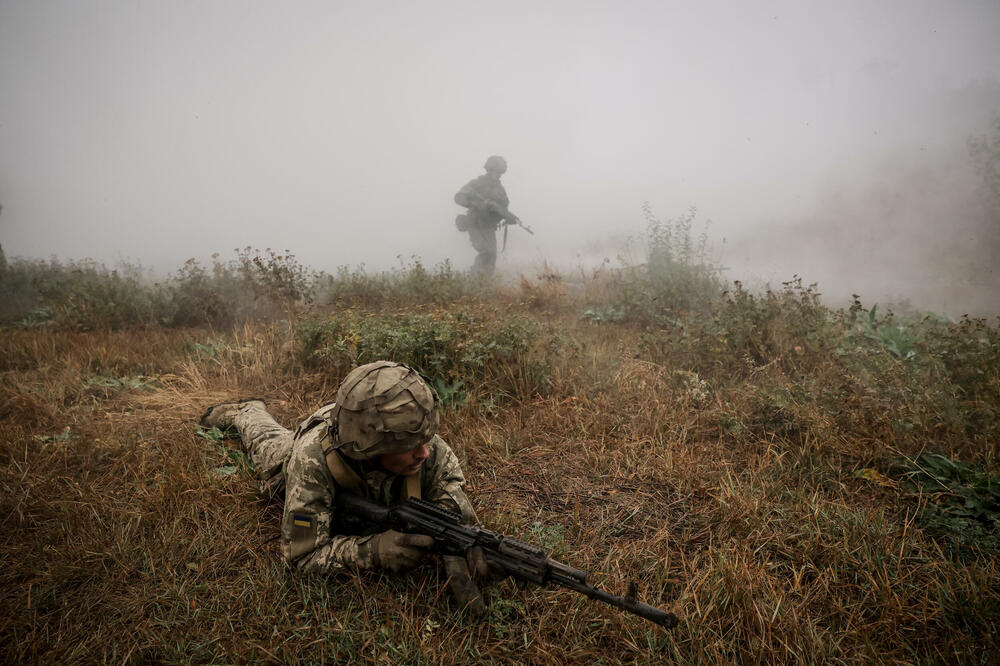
478,194
315,537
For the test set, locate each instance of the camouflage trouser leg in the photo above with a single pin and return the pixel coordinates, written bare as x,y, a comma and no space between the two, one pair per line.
267,443
484,240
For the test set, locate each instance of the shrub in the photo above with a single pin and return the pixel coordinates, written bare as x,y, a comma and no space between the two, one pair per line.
197,298
84,295
745,331
964,501
409,284
279,278
677,277
924,378
443,346
87,295
255,284
910,381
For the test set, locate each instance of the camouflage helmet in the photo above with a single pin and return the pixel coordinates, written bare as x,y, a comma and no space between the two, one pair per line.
381,408
496,163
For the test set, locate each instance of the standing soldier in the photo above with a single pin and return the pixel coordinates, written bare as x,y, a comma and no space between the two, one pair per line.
487,203
377,440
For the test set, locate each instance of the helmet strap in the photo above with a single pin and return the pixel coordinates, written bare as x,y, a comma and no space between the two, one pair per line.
342,473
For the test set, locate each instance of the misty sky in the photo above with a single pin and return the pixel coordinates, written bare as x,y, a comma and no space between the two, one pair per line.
157,131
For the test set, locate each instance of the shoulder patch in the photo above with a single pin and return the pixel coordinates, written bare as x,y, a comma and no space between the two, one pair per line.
303,538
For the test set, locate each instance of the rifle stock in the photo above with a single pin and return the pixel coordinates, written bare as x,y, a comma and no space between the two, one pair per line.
517,558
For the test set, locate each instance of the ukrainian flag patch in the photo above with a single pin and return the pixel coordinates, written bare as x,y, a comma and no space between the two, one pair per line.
300,520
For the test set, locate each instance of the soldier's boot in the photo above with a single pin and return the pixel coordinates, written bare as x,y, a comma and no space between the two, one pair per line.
222,415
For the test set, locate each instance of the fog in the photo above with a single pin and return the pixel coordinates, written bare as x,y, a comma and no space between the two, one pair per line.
827,140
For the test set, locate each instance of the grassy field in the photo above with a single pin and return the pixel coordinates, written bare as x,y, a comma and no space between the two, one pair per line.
798,484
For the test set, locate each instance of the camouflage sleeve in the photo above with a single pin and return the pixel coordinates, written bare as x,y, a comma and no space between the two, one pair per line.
500,196
443,481
468,196
307,541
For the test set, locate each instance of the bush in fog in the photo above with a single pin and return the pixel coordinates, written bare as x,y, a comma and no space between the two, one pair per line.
88,295
813,372
677,277
253,285
409,283
78,294
444,346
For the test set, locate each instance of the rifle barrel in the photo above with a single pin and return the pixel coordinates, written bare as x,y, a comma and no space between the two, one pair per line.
651,613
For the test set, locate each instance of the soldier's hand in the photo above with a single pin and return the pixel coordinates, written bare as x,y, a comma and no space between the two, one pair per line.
397,551
463,589
482,569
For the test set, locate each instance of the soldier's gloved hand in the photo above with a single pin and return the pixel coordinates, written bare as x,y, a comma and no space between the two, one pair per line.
398,552
482,569
463,589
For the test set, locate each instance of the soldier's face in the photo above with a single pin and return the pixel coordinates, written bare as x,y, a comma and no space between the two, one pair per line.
405,463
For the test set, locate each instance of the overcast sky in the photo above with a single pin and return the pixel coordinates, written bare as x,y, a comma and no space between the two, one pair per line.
156,131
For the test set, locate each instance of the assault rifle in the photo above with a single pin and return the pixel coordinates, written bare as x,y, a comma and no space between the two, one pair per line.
516,558
511,219
473,199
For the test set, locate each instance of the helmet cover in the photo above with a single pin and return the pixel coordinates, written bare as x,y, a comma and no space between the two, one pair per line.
384,407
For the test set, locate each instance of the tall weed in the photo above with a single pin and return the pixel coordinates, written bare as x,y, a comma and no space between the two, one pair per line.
677,277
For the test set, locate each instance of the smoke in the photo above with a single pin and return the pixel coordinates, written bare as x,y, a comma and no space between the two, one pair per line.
827,141
913,230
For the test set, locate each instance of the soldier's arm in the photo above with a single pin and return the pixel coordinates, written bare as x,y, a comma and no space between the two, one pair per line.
494,200
307,541
503,201
477,196
443,481
468,196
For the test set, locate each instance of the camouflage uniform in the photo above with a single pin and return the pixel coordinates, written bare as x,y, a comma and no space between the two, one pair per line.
314,538
483,196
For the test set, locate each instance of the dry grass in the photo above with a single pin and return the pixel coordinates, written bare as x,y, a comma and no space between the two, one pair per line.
123,543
